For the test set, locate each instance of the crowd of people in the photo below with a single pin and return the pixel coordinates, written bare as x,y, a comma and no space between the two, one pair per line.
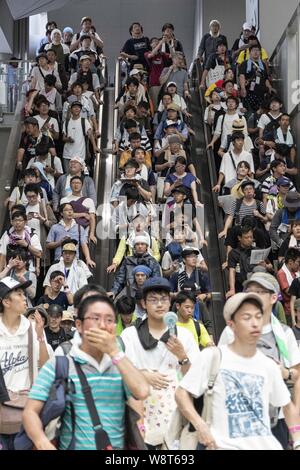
119,343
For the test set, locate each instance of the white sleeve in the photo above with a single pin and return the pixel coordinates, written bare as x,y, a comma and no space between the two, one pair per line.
166,261
55,124
263,121
46,282
195,380
279,393
13,197
227,337
294,352
35,242
3,244
57,165
219,126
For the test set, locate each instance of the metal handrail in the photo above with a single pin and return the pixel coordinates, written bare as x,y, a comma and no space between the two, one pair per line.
99,141
197,71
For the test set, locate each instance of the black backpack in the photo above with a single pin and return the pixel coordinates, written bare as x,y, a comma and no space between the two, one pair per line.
271,128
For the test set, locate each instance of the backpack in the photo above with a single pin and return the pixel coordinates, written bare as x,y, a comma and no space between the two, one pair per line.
55,406
239,202
175,251
271,128
79,207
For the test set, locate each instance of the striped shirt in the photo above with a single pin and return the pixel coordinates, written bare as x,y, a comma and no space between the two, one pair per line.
246,210
270,182
109,394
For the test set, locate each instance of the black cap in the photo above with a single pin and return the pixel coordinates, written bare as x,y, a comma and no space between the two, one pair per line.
156,283
180,189
8,284
189,250
247,183
76,103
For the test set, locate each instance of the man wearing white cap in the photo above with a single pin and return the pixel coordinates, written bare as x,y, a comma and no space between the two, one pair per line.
63,185
247,383
67,35
277,341
242,42
141,256
86,25
208,44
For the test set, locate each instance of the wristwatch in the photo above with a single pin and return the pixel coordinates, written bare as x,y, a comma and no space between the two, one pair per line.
117,358
184,361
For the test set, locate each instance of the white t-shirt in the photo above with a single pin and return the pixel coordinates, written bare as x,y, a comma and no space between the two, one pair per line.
15,196
227,126
167,260
243,390
35,243
227,167
51,122
14,355
159,358
77,148
34,222
48,163
265,120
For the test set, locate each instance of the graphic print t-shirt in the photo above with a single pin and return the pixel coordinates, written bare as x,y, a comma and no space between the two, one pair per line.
242,393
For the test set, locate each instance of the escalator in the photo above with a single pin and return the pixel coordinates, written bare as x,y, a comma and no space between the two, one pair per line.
205,168
105,176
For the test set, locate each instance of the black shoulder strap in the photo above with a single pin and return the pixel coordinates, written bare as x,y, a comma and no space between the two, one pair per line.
198,329
232,159
83,126
101,436
67,125
238,206
222,123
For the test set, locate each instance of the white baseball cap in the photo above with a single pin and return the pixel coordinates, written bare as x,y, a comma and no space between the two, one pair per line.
247,27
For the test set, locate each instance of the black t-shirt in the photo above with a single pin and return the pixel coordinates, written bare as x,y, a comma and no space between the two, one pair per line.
254,85
28,143
285,246
261,238
295,288
239,259
3,391
55,339
215,59
61,300
137,47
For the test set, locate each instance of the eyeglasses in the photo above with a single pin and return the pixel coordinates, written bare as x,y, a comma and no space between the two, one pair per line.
156,301
107,321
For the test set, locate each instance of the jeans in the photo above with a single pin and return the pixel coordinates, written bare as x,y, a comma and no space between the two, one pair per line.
7,441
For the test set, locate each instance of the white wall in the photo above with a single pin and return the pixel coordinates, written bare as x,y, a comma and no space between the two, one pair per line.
275,16
112,20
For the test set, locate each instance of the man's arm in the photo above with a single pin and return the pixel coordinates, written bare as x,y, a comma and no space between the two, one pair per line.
186,407
33,425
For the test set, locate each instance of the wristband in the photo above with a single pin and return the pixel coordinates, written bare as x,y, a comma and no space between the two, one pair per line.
41,340
117,358
141,427
294,429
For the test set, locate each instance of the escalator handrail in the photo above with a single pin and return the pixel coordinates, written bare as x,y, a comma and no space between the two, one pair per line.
197,71
100,120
